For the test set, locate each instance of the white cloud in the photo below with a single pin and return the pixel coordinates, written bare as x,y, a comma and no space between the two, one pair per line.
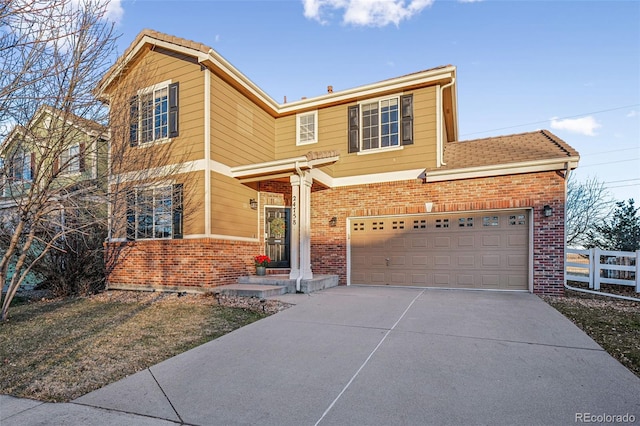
368,13
585,125
114,11
469,1
632,113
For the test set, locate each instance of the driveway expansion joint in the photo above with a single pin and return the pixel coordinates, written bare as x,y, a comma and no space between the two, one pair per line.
165,395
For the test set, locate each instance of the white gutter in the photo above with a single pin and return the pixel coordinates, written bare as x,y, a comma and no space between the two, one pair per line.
440,141
502,169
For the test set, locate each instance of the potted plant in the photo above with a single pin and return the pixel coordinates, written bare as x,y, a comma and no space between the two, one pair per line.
261,263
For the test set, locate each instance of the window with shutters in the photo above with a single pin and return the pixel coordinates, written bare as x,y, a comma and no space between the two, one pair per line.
155,213
307,128
154,114
381,124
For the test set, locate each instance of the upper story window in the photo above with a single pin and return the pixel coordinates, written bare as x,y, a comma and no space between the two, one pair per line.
155,213
20,166
70,159
154,114
307,128
381,124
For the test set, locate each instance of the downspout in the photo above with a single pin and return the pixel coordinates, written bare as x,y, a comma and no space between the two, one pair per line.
567,286
300,272
441,142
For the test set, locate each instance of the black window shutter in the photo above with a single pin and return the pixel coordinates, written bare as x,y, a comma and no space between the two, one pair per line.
32,170
354,131
177,211
407,119
133,121
81,157
131,215
173,110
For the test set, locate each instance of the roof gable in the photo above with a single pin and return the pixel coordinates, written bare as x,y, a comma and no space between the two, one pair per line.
209,58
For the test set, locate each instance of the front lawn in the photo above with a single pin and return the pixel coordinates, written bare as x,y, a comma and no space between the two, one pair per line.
60,349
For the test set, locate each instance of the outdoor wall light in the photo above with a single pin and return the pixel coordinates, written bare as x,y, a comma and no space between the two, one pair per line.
253,203
547,210
333,221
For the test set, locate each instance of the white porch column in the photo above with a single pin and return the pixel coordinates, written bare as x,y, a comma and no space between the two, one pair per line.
295,227
305,225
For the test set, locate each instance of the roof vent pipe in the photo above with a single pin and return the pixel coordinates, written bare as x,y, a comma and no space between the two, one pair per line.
329,89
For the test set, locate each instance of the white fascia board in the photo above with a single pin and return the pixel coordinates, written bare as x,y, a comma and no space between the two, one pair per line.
229,69
377,178
395,84
502,169
322,177
269,167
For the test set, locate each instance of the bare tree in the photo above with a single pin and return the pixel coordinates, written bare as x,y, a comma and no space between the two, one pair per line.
52,55
588,204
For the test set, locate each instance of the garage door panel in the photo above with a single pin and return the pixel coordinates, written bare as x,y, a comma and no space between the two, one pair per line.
442,242
466,241
471,250
419,261
490,241
515,261
490,260
442,261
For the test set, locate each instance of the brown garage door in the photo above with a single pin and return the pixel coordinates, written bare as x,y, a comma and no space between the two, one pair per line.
473,250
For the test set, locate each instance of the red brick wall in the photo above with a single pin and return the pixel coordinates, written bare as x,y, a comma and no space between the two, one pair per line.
329,245
209,262
179,263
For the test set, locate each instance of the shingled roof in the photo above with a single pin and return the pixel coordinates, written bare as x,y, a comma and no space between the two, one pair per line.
509,149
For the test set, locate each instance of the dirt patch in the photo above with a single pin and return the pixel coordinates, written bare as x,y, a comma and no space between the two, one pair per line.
60,349
613,323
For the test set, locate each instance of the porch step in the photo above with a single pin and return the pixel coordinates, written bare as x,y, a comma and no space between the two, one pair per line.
318,282
252,290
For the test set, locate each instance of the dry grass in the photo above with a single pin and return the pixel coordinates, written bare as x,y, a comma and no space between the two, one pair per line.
58,350
613,323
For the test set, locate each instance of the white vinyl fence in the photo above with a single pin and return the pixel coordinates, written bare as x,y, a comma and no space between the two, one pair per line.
596,266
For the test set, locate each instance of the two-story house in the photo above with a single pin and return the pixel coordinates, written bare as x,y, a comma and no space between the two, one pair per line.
45,166
370,184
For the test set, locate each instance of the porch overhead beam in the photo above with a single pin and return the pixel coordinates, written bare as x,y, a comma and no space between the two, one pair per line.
281,168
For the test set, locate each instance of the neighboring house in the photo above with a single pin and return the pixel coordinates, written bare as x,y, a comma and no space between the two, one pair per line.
61,152
370,184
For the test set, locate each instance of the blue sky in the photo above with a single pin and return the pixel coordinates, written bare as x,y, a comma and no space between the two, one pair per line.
572,67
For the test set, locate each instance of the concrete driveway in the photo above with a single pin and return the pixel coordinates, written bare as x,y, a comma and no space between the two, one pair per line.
373,356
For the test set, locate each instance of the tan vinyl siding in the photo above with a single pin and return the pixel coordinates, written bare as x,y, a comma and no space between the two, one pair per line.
231,214
333,133
153,68
193,205
241,133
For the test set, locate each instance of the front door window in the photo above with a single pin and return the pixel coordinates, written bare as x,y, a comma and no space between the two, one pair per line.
277,236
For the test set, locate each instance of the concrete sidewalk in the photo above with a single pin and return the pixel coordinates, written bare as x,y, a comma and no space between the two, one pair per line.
371,356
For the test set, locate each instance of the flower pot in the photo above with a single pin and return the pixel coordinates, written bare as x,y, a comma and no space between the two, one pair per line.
261,270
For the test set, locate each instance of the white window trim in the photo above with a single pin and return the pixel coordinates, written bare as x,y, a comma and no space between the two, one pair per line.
144,91
154,186
398,147
66,171
315,133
